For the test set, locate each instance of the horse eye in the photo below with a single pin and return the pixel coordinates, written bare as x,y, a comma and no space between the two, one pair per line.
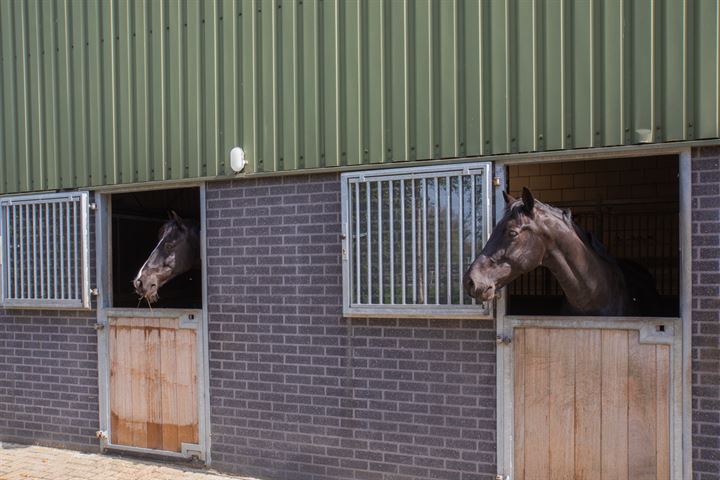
512,233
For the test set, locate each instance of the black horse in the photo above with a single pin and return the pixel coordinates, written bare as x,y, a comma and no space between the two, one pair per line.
532,234
177,252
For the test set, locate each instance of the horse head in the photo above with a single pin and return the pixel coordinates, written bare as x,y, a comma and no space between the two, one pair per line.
177,251
516,246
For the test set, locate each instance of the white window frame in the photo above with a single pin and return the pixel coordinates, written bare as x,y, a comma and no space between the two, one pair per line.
40,208
480,172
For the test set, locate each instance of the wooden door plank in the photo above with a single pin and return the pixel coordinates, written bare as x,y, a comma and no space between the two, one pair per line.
537,387
154,385
518,344
663,411
122,406
186,390
138,362
112,383
168,376
587,404
562,404
642,405
614,406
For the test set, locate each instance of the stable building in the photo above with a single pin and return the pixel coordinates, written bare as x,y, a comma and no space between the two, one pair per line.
346,163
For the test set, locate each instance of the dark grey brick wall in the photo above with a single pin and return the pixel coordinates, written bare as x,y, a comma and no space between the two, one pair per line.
298,392
48,378
706,313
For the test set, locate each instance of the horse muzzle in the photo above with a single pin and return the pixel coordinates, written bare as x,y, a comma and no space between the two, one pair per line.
483,291
146,288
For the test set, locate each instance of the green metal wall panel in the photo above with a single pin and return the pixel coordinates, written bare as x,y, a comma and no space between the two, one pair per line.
102,92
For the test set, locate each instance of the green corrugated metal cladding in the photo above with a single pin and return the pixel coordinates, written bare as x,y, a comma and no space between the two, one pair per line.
106,92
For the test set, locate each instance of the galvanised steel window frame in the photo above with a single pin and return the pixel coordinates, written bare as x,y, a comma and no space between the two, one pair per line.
375,193
44,251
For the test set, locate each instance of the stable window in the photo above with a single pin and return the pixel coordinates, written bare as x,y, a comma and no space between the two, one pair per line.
408,235
45,255
138,220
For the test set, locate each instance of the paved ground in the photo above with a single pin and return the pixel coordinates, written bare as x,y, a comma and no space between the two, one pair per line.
22,462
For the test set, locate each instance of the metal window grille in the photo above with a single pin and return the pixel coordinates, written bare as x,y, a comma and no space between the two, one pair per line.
408,236
45,251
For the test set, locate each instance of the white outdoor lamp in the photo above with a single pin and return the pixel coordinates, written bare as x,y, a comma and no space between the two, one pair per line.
237,159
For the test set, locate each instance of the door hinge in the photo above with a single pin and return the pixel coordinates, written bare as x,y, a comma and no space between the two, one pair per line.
101,435
503,340
496,181
98,326
502,477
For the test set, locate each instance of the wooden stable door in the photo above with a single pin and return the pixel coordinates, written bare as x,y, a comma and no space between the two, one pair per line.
153,391
590,404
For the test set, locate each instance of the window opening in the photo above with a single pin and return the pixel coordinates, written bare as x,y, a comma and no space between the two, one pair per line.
45,250
408,235
139,225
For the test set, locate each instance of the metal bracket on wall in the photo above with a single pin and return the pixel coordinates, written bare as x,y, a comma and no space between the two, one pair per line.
503,340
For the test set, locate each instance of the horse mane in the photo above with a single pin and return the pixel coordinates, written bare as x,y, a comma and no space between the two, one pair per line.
565,216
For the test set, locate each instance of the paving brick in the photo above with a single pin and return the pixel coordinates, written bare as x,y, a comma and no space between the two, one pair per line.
28,462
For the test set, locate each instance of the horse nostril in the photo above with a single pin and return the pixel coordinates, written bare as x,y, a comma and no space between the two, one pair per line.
469,285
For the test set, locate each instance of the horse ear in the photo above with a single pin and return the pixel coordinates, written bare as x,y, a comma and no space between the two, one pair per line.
175,217
508,198
528,200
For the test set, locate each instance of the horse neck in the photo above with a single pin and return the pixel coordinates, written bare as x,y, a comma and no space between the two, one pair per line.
590,283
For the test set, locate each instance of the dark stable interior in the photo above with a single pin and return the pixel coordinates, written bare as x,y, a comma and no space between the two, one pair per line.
631,205
136,221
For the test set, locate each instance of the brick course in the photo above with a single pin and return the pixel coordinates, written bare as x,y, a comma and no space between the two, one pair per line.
297,391
706,313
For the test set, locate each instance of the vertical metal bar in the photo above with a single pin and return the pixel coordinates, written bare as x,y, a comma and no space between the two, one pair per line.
41,238
391,228
5,211
68,253
461,238
473,221
47,250
380,244
56,247
402,238
424,197
62,250
84,229
369,241
76,258
358,264
437,240
34,247
414,243
25,255
15,248
448,229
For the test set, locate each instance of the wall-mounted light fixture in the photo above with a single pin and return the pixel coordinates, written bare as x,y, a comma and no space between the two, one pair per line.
237,159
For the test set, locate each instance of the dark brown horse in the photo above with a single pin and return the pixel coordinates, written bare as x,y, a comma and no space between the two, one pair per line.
532,234
177,252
